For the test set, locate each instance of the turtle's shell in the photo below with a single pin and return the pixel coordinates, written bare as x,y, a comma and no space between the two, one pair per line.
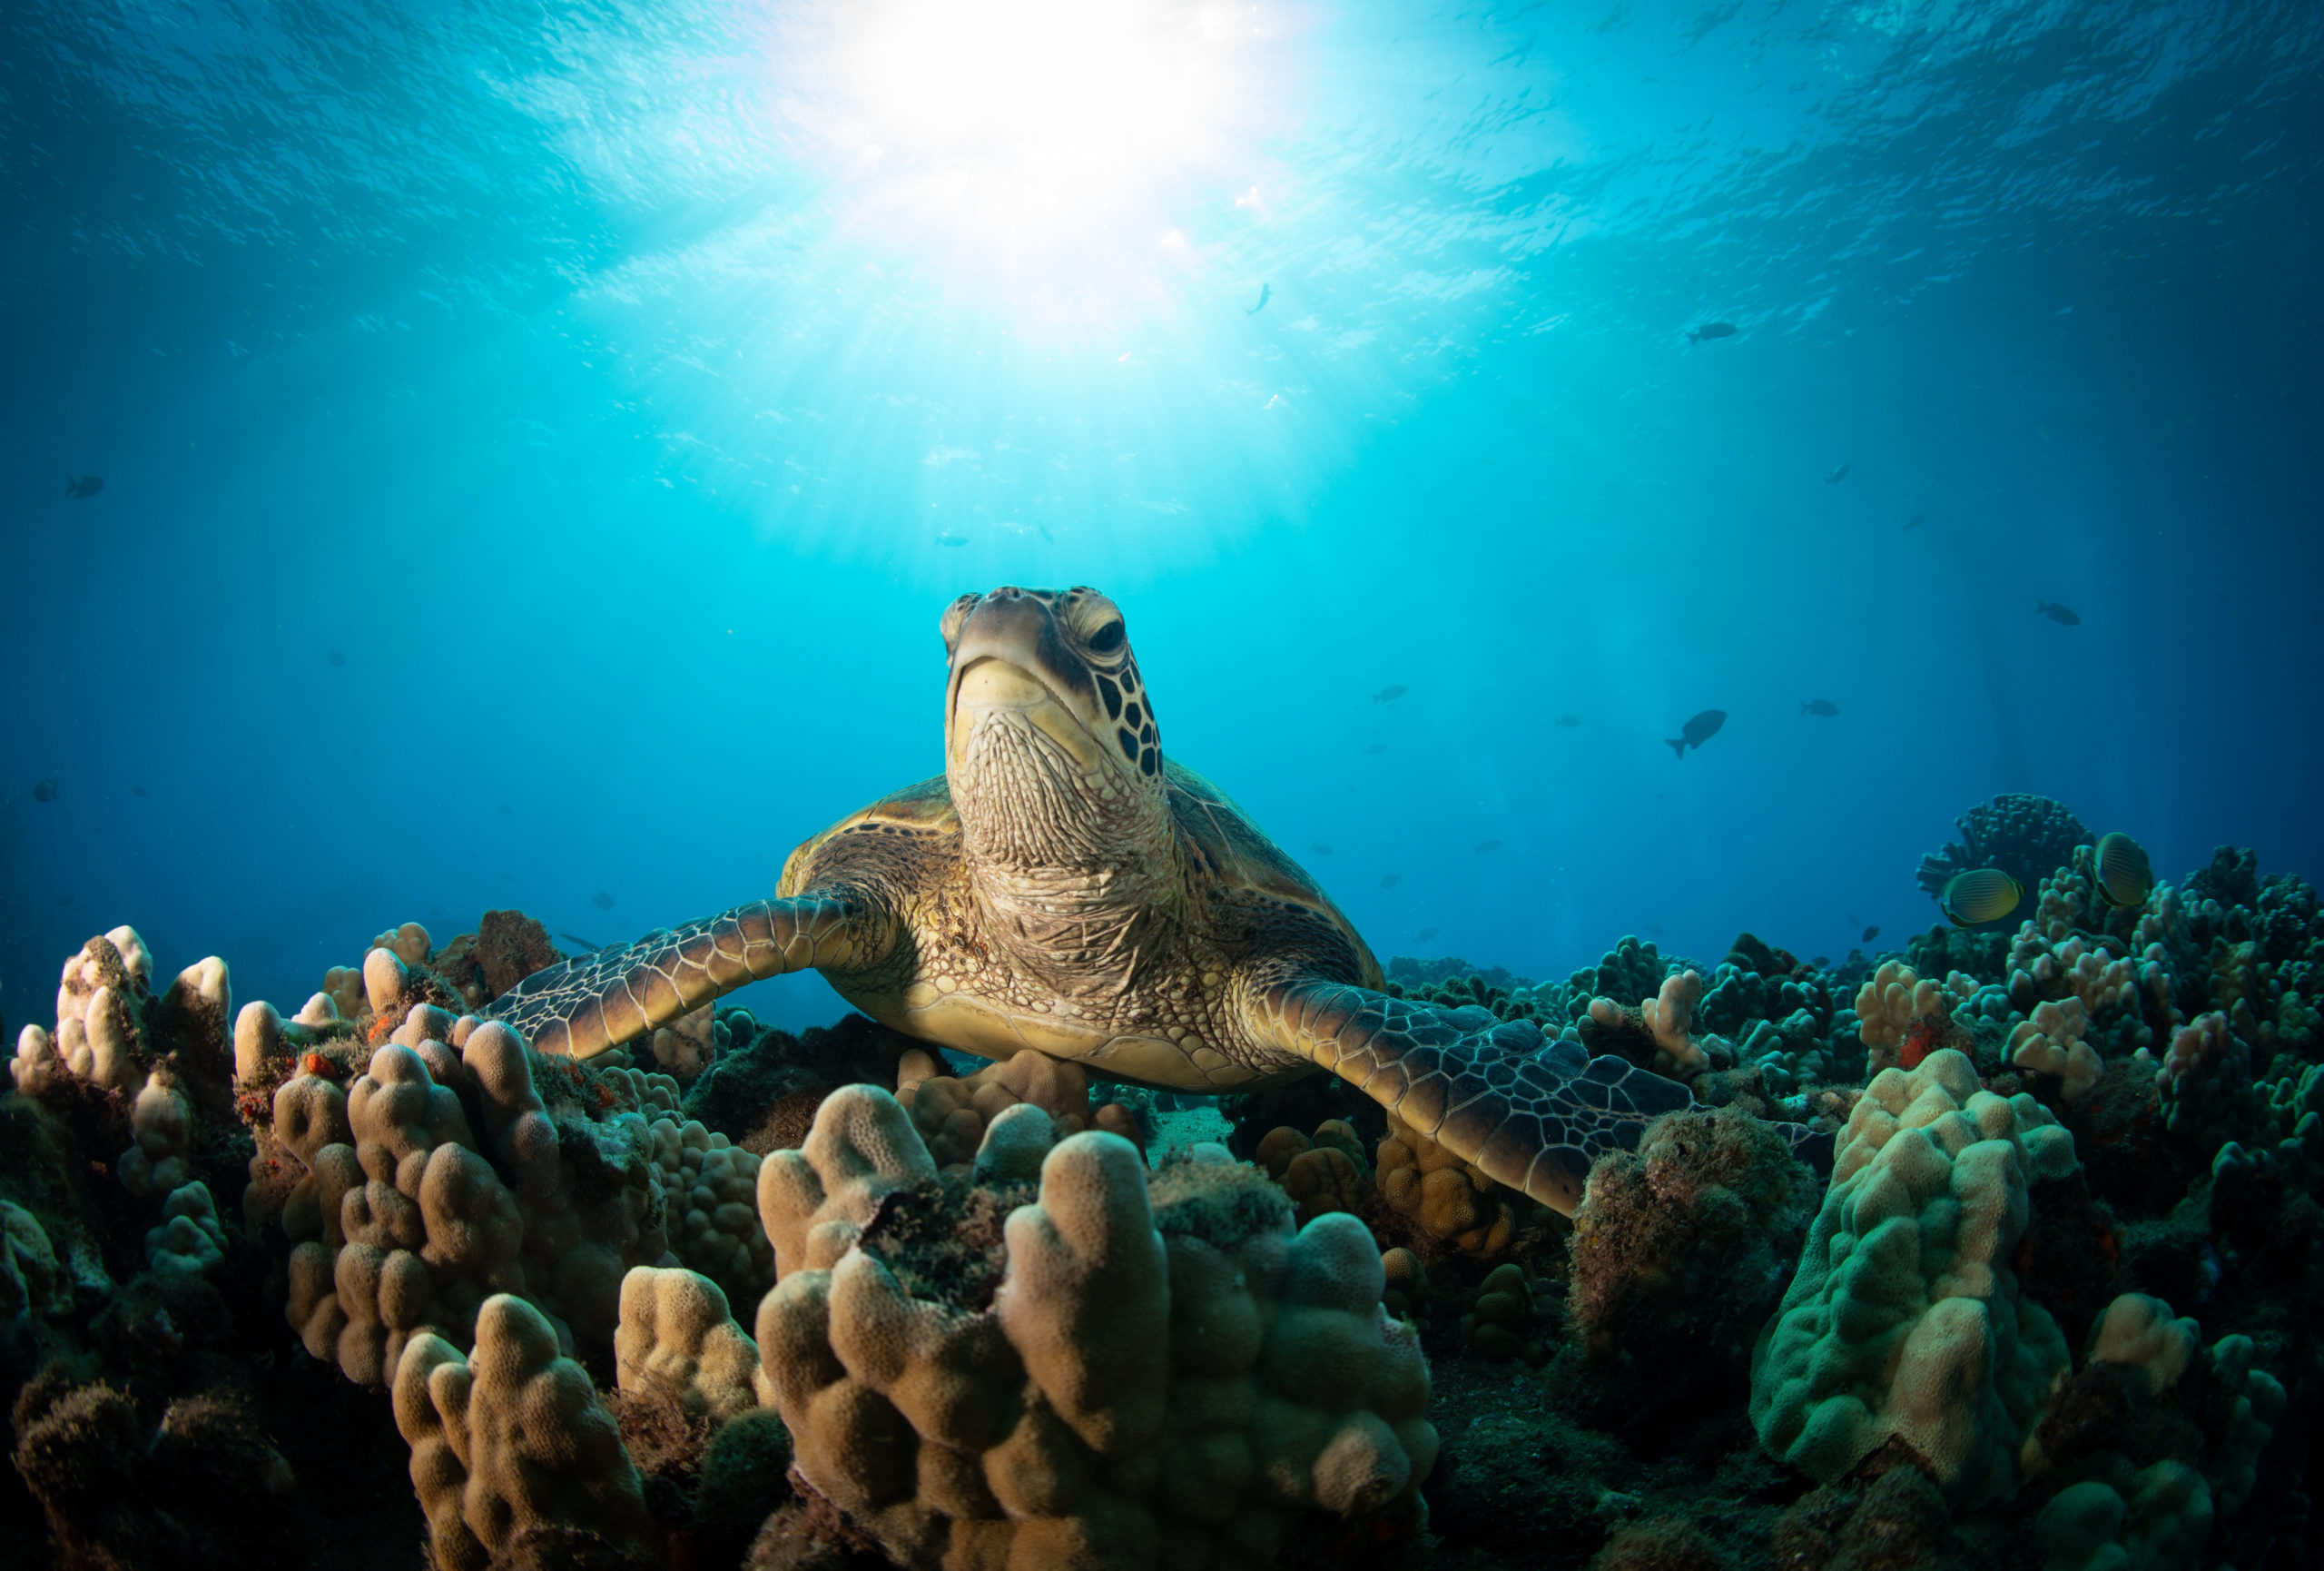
1226,852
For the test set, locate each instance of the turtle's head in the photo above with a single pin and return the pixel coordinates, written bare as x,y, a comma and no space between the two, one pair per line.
1049,742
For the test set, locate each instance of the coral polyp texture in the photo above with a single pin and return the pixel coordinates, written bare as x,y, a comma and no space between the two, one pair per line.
511,1453
1997,1247
1132,1368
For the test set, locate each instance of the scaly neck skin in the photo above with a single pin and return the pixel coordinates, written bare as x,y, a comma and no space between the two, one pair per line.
1077,871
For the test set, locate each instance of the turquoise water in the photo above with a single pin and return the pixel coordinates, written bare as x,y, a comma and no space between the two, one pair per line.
539,441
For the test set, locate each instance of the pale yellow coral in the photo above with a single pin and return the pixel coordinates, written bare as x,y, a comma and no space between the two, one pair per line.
1668,1017
2051,1043
1160,1379
1903,1320
509,1444
1895,1001
678,1339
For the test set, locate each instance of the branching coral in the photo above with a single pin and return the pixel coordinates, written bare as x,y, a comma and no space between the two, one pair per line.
2051,1043
404,1213
114,1033
510,1449
678,1338
1902,1017
2205,1084
1131,1368
1667,1018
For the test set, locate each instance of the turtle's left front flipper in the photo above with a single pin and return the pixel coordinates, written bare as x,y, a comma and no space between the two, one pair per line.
1534,1113
617,994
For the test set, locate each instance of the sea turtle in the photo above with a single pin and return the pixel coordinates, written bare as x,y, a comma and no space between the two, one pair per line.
1062,888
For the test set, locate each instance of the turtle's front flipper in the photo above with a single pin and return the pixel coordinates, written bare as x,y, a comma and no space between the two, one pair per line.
615,995
1534,1113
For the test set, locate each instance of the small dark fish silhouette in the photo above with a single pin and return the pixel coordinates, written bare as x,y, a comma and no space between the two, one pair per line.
586,947
65,899
1837,476
137,790
1823,706
83,486
1390,880
1267,293
1568,719
503,809
1870,934
44,790
1323,848
602,901
1390,694
1488,845
2062,615
1914,522
1424,935
1711,330
1375,749
949,539
1697,731
335,658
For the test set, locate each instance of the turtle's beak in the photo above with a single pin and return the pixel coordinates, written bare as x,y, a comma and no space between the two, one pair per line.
1011,664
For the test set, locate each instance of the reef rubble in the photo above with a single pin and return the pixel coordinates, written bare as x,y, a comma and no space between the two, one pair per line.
374,1283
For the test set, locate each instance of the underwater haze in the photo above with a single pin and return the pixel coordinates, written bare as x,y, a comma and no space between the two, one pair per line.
536,443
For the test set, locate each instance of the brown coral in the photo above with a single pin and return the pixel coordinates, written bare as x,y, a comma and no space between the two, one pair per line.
952,1112
1449,1198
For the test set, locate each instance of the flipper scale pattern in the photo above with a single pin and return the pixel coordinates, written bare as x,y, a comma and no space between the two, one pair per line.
599,1001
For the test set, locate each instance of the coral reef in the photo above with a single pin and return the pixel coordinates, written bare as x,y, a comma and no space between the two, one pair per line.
721,1300
1905,1320
1449,1199
2022,835
954,1113
1138,1366
1680,1249
511,1452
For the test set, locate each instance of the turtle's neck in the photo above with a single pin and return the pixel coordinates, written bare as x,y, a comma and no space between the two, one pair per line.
1078,872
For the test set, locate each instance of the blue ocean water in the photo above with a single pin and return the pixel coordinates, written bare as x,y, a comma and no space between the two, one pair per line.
539,441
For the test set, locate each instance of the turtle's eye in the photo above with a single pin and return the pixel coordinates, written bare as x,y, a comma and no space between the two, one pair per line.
1108,638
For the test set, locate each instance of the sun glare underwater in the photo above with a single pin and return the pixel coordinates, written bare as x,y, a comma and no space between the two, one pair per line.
1732,549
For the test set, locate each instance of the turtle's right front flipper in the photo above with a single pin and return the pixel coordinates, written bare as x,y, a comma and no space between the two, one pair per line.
602,1000
1533,1112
